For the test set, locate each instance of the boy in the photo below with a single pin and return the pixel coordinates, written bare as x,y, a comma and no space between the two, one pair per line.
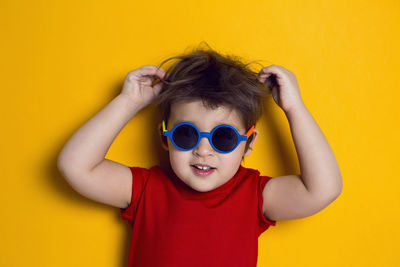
207,209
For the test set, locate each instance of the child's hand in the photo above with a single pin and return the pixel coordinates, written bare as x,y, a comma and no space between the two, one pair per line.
284,86
139,87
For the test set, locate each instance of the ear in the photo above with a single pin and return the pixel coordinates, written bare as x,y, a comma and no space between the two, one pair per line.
163,139
253,141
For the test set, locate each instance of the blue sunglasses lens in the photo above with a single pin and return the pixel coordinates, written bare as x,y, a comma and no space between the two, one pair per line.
224,139
185,136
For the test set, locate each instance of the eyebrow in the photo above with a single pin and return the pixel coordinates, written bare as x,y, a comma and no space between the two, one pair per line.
219,123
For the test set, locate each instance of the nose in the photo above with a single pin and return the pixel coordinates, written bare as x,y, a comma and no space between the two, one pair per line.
204,148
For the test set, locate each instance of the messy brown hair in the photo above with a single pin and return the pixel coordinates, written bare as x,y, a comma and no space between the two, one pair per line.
216,79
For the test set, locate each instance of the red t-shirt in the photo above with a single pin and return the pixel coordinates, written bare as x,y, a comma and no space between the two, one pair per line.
175,225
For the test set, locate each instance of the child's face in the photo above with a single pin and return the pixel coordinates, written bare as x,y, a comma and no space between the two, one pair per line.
225,164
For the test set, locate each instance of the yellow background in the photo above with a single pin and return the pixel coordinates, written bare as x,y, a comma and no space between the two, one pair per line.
63,61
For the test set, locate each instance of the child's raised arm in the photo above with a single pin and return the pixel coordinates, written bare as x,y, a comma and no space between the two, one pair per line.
82,160
320,182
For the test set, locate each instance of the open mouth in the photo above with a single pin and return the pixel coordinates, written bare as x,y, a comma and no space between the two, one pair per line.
202,170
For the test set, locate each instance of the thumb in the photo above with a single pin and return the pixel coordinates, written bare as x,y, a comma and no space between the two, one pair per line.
262,77
157,88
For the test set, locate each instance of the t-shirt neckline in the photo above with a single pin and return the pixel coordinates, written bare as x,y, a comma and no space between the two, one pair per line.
190,193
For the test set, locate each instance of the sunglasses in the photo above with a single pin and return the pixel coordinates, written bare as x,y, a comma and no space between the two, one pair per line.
223,138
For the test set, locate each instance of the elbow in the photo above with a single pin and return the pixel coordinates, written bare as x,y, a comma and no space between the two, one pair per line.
339,187
65,166
328,194
62,163
335,195
336,190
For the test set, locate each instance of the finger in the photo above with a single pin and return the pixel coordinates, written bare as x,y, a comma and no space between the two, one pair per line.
272,69
155,71
158,70
263,78
150,72
268,84
161,73
147,70
157,88
267,73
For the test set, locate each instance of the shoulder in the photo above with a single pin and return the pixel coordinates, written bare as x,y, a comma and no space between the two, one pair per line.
153,175
254,176
244,171
259,182
147,172
254,173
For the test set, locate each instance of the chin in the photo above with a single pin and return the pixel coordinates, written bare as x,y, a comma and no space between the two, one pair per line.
202,188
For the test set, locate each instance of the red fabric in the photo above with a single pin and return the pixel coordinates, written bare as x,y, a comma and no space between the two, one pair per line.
174,225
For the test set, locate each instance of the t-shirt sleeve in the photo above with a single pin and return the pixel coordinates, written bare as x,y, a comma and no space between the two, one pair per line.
261,184
140,177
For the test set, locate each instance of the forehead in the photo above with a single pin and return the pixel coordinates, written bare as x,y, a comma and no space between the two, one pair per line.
197,113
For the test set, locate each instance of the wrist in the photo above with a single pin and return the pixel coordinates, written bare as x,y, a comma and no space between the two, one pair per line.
130,103
127,102
299,108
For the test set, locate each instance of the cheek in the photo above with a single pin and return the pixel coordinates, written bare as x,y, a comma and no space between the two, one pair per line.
239,151
235,157
174,162
177,158
179,161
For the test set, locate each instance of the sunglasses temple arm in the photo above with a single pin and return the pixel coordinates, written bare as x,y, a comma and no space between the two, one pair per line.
165,132
250,132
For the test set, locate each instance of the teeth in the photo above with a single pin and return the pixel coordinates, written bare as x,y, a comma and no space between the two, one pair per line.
202,168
